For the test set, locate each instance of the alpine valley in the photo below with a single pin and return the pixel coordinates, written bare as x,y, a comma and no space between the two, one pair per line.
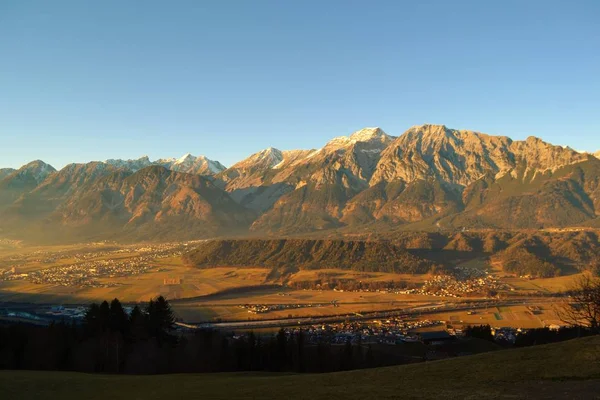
365,185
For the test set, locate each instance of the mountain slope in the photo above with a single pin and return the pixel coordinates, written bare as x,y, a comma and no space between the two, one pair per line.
459,157
569,196
152,203
258,181
433,172
22,181
56,189
323,182
4,172
368,183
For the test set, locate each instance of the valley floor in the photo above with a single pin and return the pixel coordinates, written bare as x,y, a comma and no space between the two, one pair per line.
76,275
568,370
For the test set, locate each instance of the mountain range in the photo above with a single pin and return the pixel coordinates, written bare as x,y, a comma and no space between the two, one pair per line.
368,183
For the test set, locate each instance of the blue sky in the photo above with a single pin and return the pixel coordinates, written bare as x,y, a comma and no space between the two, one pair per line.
90,80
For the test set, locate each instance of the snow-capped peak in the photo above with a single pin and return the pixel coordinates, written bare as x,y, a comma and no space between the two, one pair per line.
192,164
133,165
187,163
271,156
214,166
266,158
366,134
38,169
188,157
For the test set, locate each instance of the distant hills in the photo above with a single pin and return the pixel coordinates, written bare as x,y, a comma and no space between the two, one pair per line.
290,255
532,253
431,178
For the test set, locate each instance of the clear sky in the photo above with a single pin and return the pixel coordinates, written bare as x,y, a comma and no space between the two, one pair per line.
90,80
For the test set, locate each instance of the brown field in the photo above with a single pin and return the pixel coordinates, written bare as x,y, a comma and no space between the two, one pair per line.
550,285
321,304
195,282
312,275
515,316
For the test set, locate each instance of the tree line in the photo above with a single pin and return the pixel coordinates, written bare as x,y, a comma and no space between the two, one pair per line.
531,337
109,340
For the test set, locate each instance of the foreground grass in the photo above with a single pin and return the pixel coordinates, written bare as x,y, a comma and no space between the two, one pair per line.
565,370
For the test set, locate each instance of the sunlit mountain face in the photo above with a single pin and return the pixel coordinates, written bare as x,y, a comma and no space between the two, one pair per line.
429,178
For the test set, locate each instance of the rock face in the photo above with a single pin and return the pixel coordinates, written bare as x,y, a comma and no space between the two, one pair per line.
434,172
368,183
155,200
322,182
99,200
461,157
260,180
57,188
192,165
133,165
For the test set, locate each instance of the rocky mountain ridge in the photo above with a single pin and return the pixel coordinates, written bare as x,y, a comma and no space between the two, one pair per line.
190,164
429,178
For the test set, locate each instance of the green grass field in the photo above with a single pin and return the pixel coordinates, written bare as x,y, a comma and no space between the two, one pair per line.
569,370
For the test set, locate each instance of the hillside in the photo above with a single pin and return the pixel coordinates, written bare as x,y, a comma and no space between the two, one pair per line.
568,370
430,178
539,254
27,178
294,254
4,172
100,200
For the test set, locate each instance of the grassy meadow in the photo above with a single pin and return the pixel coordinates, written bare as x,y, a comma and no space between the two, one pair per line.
568,370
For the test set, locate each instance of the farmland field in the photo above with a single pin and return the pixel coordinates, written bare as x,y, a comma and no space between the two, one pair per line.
316,303
515,316
141,287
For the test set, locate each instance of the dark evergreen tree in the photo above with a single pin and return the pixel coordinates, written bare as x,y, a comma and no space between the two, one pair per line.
370,359
346,359
104,315
480,331
300,345
281,351
160,318
138,329
91,320
118,321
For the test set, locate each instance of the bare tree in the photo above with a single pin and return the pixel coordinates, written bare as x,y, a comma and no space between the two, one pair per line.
583,306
